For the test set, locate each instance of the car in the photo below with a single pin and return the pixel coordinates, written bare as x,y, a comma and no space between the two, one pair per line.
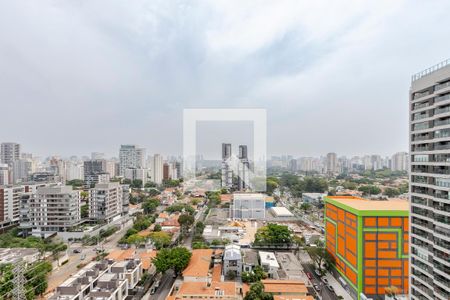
325,280
76,251
83,256
317,287
318,272
310,276
331,288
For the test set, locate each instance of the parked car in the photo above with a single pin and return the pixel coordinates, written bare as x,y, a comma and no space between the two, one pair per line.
325,280
76,251
331,288
309,275
317,287
317,271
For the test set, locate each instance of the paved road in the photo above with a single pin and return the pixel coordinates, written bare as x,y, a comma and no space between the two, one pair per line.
325,293
163,290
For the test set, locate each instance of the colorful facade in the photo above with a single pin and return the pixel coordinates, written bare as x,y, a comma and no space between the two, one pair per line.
369,241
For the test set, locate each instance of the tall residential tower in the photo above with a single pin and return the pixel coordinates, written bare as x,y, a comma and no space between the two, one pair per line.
430,182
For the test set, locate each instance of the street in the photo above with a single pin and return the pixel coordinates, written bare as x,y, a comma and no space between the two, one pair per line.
163,290
325,292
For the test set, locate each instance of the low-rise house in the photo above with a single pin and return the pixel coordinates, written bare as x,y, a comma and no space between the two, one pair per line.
249,260
199,265
269,263
201,290
232,261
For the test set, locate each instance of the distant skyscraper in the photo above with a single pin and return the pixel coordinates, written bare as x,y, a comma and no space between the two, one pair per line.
157,169
131,157
227,173
97,155
430,183
9,152
332,163
400,161
95,172
4,174
243,168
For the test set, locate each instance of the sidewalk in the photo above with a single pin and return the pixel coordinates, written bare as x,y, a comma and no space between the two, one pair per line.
340,291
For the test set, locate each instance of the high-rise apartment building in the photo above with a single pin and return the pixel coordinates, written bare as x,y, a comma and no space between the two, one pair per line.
95,172
105,201
369,241
430,182
227,172
53,209
9,152
157,169
4,174
332,166
399,161
9,204
243,169
131,157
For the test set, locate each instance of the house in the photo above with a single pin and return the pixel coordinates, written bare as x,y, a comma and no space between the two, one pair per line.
269,263
232,261
249,260
201,290
199,265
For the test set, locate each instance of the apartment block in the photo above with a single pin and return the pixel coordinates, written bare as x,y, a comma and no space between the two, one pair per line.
105,201
131,157
54,209
430,182
9,205
9,152
369,240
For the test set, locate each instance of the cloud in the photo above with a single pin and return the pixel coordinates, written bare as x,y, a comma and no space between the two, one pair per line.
82,76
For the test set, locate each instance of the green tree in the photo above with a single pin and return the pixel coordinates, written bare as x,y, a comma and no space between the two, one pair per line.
75,183
180,207
271,184
149,206
137,184
174,258
157,228
84,211
186,222
305,206
160,239
273,234
323,259
150,184
135,240
369,190
257,292
391,192
256,275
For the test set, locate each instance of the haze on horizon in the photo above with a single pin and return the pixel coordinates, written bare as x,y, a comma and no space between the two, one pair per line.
84,76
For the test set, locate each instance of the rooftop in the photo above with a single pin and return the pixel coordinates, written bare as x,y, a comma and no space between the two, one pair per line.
366,207
289,287
120,255
268,258
199,263
430,70
189,289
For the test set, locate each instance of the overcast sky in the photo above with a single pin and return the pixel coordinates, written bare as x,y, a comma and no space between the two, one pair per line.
84,76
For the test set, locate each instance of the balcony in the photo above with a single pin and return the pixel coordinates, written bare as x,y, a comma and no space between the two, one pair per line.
442,122
422,94
442,98
420,105
442,86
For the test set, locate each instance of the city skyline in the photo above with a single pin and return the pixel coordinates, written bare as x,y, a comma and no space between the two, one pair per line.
318,59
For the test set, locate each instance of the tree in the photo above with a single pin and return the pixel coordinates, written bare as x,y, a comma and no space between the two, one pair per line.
350,185
256,292
174,258
256,275
157,228
323,259
136,240
231,275
137,184
84,211
84,195
369,190
180,207
160,239
141,223
149,206
186,222
150,184
391,192
126,181
305,206
75,183
271,184
273,234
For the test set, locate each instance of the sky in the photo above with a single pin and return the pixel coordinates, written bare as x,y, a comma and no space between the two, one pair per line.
88,75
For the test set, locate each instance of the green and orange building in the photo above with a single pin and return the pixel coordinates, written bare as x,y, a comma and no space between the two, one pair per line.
369,240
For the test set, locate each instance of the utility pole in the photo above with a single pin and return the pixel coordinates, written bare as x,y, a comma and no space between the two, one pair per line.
19,281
